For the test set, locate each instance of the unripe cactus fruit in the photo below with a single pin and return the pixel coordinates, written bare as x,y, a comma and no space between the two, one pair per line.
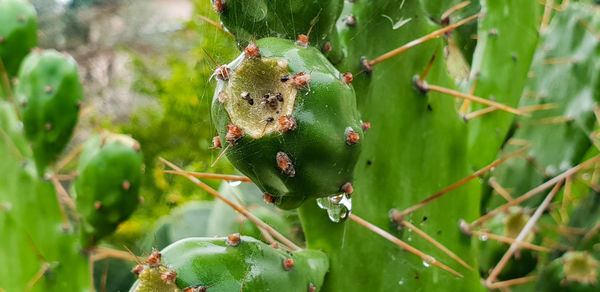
154,276
110,171
213,263
300,136
50,93
18,32
575,271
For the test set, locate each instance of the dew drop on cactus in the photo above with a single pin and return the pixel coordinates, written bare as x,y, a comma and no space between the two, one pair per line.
235,183
338,207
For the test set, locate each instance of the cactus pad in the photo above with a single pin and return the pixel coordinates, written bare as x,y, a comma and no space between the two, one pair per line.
18,32
110,170
50,94
222,266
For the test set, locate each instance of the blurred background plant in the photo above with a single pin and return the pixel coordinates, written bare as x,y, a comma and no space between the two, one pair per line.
144,74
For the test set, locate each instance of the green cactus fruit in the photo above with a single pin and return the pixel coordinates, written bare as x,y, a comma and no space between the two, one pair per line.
258,19
508,225
227,264
575,271
290,119
110,172
18,32
50,93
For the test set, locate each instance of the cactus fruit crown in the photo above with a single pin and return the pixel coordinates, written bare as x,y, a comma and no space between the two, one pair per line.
514,222
290,119
579,267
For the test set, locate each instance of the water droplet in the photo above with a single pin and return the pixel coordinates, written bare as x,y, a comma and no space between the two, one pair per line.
235,183
338,206
428,261
401,282
323,203
483,238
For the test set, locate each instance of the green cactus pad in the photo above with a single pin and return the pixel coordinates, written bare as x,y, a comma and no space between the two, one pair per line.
50,93
110,172
289,117
32,234
257,19
18,32
211,262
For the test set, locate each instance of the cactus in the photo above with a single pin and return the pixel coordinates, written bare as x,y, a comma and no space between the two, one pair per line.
508,225
289,107
287,19
18,33
110,171
573,272
50,94
228,264
34,240
564,76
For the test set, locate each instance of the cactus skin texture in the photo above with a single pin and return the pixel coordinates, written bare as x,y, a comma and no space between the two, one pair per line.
110,172
18,32
572,86
314,158
506,41
30,221
50,93
258,19
212,262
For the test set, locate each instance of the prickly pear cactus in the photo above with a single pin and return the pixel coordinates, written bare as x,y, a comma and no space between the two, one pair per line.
506,41
263,18
564,78
242,263
289,120
49,93
110,172
18,33
34,239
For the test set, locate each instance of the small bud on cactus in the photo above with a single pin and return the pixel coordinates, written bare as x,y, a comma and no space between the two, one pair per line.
216,142
252,51
347,77
302,40
233,239
288,264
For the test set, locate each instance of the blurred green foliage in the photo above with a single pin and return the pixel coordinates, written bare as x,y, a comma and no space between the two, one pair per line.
177,126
